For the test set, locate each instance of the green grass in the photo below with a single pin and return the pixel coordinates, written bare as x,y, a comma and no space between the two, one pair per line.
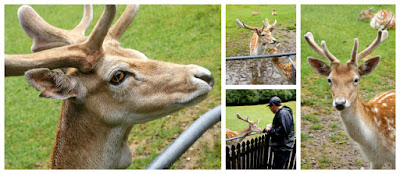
338,26
334,127
316,127
234,34
254,112
184,34
304,136
311,118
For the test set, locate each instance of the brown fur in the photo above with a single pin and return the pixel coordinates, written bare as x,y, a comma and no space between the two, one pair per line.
285,70
98,115
384,17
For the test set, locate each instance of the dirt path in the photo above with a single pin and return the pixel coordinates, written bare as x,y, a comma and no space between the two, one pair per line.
244,72
328,147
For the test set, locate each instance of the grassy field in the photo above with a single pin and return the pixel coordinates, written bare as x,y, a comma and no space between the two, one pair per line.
234,34
180,34
325,143
254,112
338,26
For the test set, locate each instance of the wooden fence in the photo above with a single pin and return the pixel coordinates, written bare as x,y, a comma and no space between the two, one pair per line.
255,154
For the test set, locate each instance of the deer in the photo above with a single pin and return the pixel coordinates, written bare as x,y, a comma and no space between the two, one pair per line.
273,12
284,70
261,37
106,89
246,131
255,13
371,125
384,19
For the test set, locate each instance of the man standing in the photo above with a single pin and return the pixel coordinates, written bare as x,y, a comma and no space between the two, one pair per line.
281,132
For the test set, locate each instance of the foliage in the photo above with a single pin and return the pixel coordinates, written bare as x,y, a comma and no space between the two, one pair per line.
257,96
183,34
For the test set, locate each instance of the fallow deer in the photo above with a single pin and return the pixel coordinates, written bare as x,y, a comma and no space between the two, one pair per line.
273,12
285,70
246,131
261,37
106,90
255,13
371,125
384,19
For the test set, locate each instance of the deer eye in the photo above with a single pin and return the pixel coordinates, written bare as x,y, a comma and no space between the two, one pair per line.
118,77
329,81
262,34
356,81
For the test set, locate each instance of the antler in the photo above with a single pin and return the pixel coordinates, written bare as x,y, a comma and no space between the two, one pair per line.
269,26
322,52
241,24
46,36
241,118
381,36
246,119
80,55
118,29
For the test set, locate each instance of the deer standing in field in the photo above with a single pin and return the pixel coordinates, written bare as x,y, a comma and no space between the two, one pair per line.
246,131
255,13
273,12
261,37
371,125
384,19
106,90
285,70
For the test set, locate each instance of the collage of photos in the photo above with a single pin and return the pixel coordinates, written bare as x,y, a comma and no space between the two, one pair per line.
302,87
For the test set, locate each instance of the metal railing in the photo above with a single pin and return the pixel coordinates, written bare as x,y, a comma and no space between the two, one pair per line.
186,139
270,56
234,138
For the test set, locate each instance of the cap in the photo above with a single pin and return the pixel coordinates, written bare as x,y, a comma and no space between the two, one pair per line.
274,100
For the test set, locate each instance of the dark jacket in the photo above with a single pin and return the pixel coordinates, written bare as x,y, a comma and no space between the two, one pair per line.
282,131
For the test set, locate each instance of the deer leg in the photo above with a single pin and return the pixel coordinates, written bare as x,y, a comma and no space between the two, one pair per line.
259,68
376,165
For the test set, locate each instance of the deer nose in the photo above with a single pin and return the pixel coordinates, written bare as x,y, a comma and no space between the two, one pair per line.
208,78
273,41
340,104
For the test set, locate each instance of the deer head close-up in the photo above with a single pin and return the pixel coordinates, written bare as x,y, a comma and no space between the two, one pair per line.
106,89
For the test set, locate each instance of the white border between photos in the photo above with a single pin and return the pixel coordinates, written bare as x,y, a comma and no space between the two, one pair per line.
223,4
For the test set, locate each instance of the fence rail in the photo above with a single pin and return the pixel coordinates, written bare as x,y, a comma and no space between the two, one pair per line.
270,56
255,154
186,139
234,138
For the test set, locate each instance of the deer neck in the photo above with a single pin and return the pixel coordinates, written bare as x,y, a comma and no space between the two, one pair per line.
356,121
82,141
257,47
245,131
369,15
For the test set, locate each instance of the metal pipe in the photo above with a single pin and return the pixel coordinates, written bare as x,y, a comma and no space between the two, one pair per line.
293,68
260,56
230,139
186,139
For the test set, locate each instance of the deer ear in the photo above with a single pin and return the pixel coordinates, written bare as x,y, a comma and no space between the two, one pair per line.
370,9
368,66
55,83
319,66
258,32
